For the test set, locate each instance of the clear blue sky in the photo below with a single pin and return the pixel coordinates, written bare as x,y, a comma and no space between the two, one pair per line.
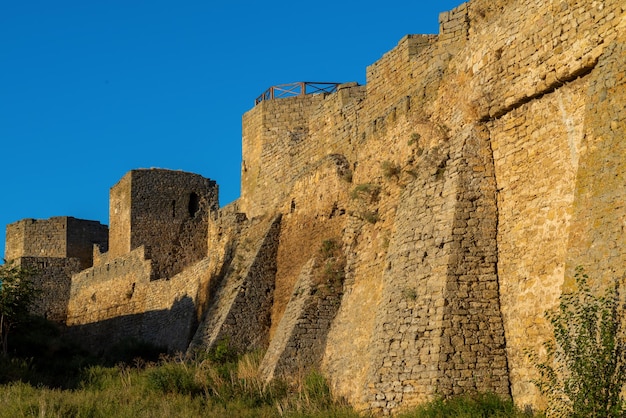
91,89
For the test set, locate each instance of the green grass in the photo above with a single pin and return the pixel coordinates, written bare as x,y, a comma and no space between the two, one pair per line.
117,393
176,389
173,388
469,406
58,380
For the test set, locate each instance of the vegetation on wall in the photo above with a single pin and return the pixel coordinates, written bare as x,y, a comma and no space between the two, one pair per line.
332,272
390,169
17,292
366,195
584,370
367,192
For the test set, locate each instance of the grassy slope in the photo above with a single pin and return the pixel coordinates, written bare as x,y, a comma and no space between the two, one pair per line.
47,377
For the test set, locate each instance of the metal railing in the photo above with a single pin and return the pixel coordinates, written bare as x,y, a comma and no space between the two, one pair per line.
296,89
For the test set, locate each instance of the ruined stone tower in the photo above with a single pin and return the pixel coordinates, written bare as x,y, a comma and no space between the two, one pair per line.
55,249
167,212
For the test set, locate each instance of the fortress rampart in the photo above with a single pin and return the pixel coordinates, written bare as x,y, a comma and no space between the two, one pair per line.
119,299
54,249
164,210
500,105
458,190
59,237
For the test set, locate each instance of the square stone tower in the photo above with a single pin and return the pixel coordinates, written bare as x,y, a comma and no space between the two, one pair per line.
167,212
54,249
57,237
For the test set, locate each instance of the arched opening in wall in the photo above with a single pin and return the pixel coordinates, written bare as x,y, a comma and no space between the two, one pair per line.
194,204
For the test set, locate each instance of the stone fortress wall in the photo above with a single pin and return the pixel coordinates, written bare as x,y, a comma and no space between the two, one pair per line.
504,106
147,286
459,188
59,237
164,210
55,249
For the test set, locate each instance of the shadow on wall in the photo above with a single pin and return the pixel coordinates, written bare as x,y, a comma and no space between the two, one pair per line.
171,329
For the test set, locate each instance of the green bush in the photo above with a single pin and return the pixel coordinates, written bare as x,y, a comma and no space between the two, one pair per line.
409,293
329,248
370,216
467,406
584,370
222,353
52,360
390,169
366,191
415,137
17,293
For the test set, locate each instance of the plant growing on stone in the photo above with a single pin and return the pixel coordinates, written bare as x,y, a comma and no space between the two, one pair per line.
366,190
370,216
390,169
17,293
332,273
329,248
409,293
584,370
415,137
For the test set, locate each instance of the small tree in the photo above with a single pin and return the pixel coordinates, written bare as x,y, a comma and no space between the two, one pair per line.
584,370
16,294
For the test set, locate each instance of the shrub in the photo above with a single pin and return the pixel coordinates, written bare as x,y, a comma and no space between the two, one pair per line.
409,293
99,377
329,248
366,190
390,169
332,272
369,216
467,406
17,293
440,172
333,275
415,137
14,369
222,353
53,360
584,370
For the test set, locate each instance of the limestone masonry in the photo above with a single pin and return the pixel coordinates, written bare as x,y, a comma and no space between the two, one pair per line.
404,237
